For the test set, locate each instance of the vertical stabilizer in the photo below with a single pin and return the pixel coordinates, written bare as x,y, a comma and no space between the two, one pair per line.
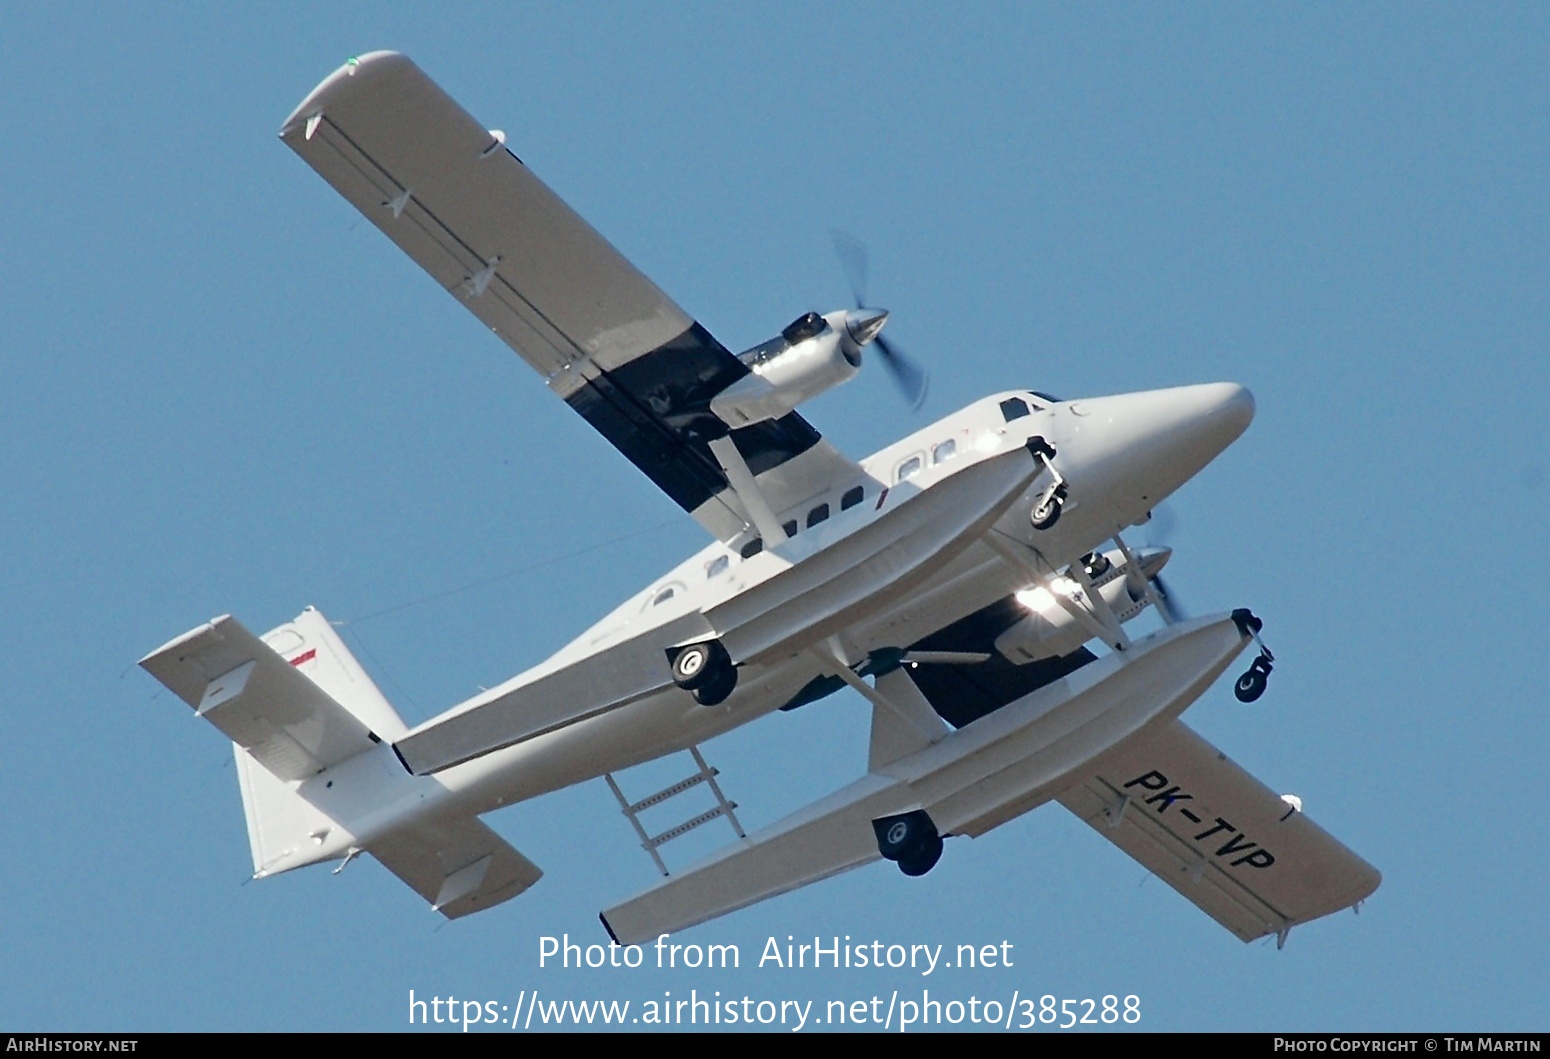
311,645
279,820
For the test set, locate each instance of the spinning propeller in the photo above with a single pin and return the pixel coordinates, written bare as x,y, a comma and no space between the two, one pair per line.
1161,526
865,323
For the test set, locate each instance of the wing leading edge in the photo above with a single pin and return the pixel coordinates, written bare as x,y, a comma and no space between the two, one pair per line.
604,337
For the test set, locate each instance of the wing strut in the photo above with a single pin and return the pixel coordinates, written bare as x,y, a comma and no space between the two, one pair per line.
1096,616
914,711
747,489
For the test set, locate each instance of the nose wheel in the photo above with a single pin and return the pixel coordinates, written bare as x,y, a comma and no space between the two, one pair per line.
1046,510
1251,685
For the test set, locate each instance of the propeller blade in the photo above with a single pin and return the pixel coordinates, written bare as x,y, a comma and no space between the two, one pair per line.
912,379
1172,611
1163,523
853,259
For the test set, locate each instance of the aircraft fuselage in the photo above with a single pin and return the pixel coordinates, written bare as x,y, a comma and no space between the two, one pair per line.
1119,456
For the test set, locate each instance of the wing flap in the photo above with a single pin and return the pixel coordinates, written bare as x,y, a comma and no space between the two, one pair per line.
1217,835
438,184
459,866
258,700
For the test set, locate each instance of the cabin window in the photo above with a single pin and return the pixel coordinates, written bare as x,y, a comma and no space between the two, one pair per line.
908,469
851,498
718,565
944,451
663,596
817,515
752,548
790,528
1013,408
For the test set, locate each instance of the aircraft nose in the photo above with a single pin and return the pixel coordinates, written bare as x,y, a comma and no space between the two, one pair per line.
1145,445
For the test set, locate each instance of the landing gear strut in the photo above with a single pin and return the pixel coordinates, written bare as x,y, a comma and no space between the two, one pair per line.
1251,685
706,670
910,840
1046,510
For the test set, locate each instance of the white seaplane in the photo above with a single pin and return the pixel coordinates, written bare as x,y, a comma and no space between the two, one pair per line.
954,579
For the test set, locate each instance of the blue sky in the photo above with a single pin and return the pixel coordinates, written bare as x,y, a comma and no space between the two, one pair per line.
224,392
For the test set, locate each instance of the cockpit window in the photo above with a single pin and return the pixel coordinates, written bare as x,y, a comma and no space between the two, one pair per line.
803,327
1048,397
1013,408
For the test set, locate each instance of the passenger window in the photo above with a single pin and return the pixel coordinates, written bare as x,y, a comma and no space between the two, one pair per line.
718,565
663,596
944,451
1013,408
790,527
817,515
752,548
908,469
851,498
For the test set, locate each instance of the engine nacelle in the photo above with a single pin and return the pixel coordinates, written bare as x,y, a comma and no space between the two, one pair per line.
1049,631
811,355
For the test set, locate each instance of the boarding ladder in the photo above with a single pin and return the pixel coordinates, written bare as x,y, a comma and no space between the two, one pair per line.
651,843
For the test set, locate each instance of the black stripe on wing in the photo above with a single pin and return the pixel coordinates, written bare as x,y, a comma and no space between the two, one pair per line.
656,410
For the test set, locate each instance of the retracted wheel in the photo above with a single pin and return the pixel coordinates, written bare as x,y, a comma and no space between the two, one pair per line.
718,686
698,663
923,859
906,837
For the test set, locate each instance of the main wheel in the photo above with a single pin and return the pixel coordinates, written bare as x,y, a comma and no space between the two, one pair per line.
717,686
899,837
698,663
923,858
1250,686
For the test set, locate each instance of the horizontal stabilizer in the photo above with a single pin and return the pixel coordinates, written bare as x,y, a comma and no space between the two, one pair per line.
1243,855
260,701
459,867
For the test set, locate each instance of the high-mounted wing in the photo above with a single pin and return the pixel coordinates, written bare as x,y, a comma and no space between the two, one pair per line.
605,338
1195,819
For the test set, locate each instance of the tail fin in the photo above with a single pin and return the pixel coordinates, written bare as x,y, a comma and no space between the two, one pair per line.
279,820
312,646
294,703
